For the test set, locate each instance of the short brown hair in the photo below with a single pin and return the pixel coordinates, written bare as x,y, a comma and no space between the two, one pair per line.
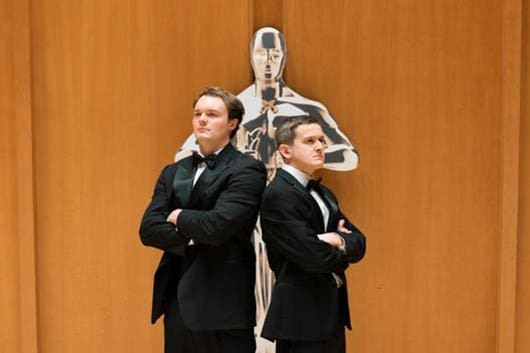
285,132
235,108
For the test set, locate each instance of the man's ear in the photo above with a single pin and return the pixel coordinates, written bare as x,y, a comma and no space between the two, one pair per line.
285,151
232,124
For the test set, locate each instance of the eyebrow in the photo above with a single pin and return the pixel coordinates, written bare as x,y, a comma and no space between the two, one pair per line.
207,110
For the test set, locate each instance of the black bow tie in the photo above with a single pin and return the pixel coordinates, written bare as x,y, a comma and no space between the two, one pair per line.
209,160
313,184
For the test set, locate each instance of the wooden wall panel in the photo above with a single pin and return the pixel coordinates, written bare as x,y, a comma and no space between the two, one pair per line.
114,83
267,13
417,86
422,88
18,331
522,323
10,325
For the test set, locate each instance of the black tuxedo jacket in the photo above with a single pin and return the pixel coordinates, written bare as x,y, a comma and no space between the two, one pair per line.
306,304
214,279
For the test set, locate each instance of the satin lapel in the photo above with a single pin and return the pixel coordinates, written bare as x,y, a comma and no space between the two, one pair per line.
210,175
333,209
303,191
182,182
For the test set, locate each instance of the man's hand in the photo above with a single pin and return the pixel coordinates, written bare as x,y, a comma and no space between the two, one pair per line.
341,228
173,216
332,239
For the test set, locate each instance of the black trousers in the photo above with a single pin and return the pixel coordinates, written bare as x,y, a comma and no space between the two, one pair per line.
335,344
180,339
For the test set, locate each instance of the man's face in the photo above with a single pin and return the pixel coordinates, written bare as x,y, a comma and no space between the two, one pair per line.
307,151
267,58
210,122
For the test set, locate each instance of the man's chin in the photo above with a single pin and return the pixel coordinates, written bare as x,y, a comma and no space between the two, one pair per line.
201,135
318,166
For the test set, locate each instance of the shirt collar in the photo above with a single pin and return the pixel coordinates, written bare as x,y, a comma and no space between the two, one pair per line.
300,176
216,152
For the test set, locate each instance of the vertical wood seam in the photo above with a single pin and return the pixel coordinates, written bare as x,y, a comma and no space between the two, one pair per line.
510,118
25,178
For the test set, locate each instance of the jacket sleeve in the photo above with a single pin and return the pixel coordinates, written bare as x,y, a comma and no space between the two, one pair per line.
299,245
289,233
236,207
155,231
355,242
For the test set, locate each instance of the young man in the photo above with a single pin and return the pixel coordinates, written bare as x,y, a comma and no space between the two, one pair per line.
202,215
310,243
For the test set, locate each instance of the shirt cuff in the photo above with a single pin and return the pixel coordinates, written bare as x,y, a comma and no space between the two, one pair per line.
191,242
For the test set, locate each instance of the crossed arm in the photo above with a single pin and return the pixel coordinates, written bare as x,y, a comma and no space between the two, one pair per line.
236,206
288,232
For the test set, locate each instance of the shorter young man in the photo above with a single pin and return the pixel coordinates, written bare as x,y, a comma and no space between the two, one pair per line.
309,243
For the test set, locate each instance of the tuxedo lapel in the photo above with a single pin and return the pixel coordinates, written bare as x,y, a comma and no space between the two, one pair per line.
333,209
182,183
316,213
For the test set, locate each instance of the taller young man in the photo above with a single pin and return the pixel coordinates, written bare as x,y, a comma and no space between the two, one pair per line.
309,243
202,214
